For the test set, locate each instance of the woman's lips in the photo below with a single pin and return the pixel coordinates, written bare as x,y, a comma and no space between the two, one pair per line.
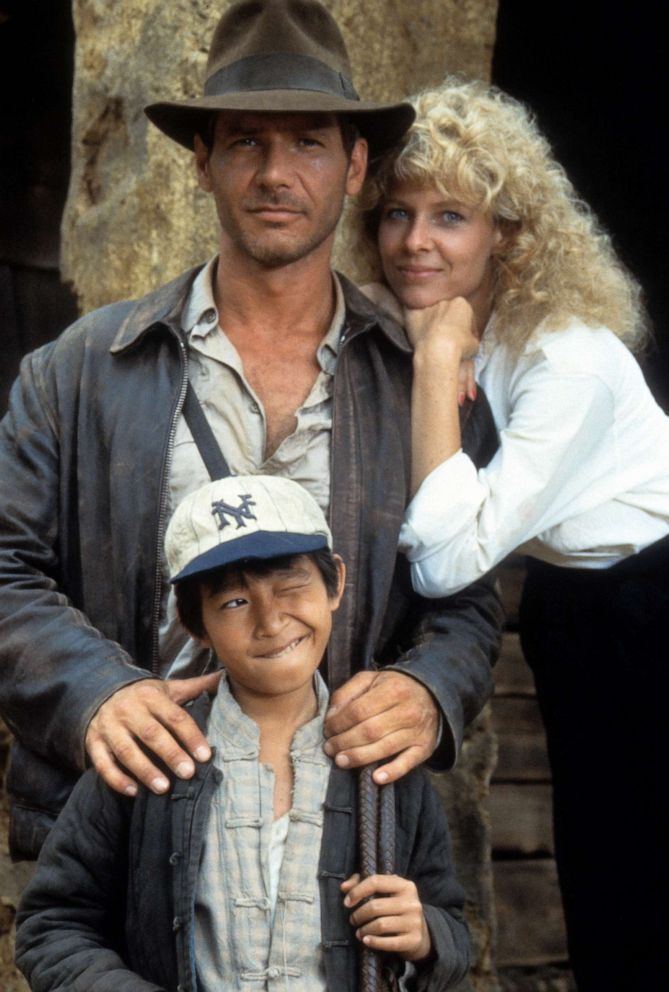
414,274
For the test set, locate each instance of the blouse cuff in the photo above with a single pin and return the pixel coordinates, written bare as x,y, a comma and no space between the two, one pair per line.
447,501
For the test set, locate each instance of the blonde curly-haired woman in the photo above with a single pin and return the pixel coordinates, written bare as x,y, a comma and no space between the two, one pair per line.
486,251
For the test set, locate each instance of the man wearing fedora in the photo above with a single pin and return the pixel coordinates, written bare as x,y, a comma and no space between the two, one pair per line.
264,361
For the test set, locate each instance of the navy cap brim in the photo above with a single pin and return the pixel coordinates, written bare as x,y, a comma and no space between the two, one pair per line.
261,545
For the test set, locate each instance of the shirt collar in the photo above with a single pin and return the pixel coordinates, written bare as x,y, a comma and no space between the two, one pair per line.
235,735
200,314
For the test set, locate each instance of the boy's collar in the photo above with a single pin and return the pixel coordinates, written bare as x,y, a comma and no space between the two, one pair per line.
237,736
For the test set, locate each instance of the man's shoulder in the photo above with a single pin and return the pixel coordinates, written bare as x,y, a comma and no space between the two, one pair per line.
363,313
118,325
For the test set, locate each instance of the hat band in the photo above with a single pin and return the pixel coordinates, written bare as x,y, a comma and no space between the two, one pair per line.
279,71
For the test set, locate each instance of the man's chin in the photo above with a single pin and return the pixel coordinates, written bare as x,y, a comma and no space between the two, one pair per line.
277,252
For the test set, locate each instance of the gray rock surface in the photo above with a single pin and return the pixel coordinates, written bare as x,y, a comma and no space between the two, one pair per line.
134,216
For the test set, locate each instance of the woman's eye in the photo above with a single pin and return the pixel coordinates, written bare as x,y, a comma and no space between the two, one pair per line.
395,213
452,217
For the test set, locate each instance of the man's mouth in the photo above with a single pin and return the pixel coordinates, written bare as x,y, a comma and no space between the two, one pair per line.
285,649
275,211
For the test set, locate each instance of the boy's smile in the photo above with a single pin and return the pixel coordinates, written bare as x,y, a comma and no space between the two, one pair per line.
270,632
282,651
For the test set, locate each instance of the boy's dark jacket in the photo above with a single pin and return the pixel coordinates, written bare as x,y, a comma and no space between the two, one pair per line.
111,904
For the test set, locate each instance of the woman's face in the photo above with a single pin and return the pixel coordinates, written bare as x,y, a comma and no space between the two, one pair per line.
435,249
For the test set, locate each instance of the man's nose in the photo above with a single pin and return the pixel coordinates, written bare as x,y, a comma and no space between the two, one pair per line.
418,236
275,167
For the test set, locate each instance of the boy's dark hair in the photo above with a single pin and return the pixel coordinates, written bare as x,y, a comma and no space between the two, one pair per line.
189,591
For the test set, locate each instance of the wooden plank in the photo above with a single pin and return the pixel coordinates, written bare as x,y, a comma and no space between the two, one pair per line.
512,674
516,715
530,924
521,741
521,818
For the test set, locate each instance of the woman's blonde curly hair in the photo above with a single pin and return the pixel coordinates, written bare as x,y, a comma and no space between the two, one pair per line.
477,145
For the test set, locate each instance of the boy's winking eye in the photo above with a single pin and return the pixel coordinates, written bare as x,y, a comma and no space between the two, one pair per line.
283,581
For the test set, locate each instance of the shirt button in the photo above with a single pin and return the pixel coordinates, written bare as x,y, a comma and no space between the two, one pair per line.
273,972
209,316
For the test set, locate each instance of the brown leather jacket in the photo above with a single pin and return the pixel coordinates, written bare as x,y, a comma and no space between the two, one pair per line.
84,465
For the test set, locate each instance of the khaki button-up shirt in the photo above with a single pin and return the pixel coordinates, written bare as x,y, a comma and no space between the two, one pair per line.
237,419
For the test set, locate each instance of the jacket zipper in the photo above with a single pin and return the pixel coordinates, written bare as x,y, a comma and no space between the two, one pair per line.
162,511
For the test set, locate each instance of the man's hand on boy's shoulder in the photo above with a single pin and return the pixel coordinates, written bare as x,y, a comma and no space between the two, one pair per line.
378,714
149,712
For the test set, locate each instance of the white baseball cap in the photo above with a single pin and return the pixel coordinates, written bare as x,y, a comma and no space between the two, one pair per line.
241,517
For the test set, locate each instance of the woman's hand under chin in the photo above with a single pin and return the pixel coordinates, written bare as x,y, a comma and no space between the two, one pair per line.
447,321
446,333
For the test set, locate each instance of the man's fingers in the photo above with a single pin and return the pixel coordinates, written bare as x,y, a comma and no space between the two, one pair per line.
362,744
144,712
403,763
345,695
181,690
182,726
369,730
104,764
404,756
127,753
395,713
362,699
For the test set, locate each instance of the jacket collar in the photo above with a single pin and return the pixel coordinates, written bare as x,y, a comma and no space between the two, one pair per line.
164,306
363,314
161,307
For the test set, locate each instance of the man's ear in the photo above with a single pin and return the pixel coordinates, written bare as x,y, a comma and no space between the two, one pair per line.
202,163
341,582
357,167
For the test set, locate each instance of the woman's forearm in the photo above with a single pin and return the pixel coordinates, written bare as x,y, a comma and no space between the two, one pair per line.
435,420
443,336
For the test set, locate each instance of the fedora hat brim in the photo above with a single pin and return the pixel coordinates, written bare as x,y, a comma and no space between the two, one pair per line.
381,124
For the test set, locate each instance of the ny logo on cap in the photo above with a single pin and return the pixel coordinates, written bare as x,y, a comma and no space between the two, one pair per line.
240,513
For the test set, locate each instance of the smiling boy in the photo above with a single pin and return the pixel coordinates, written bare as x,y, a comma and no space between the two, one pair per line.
244,877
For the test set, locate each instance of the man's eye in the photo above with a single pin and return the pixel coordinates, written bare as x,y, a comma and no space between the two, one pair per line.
246,142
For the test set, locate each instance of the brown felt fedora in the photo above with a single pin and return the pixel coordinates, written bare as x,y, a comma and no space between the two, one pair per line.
280,56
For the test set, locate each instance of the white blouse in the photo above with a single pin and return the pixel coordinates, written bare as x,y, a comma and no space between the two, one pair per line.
581,477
